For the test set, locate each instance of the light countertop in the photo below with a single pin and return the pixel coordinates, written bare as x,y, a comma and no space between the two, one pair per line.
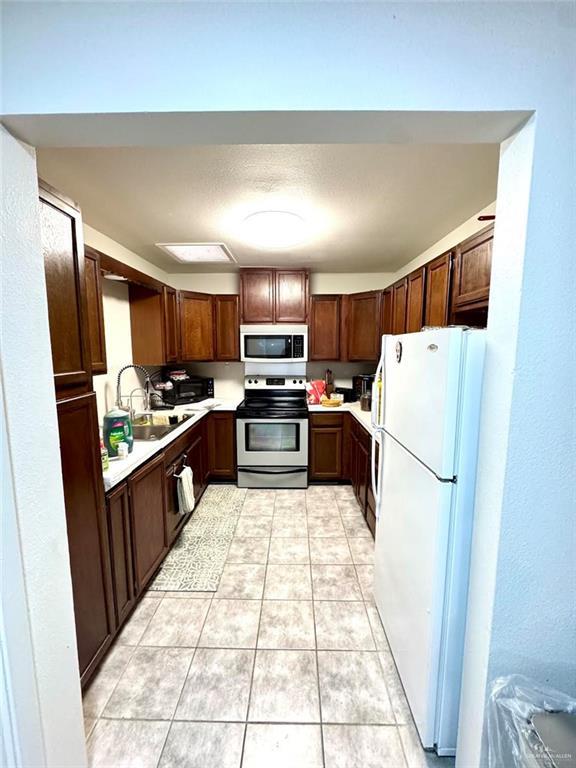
143,450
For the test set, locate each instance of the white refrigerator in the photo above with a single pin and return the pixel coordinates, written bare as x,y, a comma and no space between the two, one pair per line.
425,419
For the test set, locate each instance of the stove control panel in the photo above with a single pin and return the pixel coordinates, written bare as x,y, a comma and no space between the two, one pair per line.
274,382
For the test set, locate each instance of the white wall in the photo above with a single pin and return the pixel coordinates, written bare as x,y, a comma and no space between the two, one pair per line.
458,235
118,348
348,282
112,248
36,493
390,56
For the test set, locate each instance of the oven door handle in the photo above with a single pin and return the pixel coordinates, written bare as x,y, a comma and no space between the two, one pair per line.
272,471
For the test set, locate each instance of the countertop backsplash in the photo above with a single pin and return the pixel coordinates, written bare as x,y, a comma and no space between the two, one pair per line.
342,372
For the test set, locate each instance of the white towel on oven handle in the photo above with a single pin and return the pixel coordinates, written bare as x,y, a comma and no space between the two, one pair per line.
186,499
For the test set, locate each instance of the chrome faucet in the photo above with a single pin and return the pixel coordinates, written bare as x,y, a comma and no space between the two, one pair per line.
147,385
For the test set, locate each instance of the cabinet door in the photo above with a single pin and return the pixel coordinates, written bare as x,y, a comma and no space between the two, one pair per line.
472,268
87,530
386,315
196,326
257,295
147,504
363,474
354,461
415,300
291,296
227,327
325,327
95,310
118,505
173,517
171,335
63,249
438,290
326,453
197,460
399,297
363,326
147,325
222,445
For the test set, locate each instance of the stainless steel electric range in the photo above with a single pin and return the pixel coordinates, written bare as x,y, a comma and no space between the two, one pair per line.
272,433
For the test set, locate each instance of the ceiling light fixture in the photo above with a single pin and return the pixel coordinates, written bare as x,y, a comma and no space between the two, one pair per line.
198,252
274,229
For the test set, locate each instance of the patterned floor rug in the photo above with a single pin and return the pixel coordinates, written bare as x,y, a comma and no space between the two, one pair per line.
197,559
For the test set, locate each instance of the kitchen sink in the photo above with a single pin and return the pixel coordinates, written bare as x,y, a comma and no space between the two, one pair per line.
156,431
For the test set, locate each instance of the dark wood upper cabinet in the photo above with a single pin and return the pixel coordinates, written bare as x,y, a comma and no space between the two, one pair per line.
196,326
95,310
171,321
386,313
438,290
363,326
154,324
257,295
324,327
399,306
472,268
147,325
226,327
415,300
291,296
63,249
87,529
148,500
222,445
273,295
118,505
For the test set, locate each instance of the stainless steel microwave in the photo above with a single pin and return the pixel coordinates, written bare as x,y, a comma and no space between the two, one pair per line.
274,343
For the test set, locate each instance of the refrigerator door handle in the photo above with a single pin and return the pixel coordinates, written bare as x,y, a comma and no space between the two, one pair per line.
376,419
376,468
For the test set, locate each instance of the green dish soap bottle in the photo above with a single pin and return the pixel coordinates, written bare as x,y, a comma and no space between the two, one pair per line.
117,428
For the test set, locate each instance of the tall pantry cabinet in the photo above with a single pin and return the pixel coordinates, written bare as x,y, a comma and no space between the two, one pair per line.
63,251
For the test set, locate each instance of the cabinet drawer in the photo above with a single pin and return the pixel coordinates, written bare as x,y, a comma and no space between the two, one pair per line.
326,420
174,451
361,433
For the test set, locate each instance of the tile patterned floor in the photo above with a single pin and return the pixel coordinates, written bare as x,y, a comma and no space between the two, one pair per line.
286,665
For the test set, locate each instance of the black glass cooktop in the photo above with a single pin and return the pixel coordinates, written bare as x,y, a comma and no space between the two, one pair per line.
258,407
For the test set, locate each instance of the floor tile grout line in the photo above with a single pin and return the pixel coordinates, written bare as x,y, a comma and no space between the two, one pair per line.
183,685
252,647
211,597
316,655
352,723
134,649
255,655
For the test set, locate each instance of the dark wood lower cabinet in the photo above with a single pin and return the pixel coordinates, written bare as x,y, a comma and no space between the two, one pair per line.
341,449
118,506
358,448
87,530
147,509
192,447
326,441
117,547
222,445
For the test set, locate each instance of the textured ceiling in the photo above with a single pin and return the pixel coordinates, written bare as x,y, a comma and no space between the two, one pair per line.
371,207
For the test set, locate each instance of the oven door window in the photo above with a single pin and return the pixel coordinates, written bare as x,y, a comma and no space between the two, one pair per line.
271,437
268,347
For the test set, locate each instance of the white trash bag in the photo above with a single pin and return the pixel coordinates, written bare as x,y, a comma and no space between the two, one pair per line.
512,738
